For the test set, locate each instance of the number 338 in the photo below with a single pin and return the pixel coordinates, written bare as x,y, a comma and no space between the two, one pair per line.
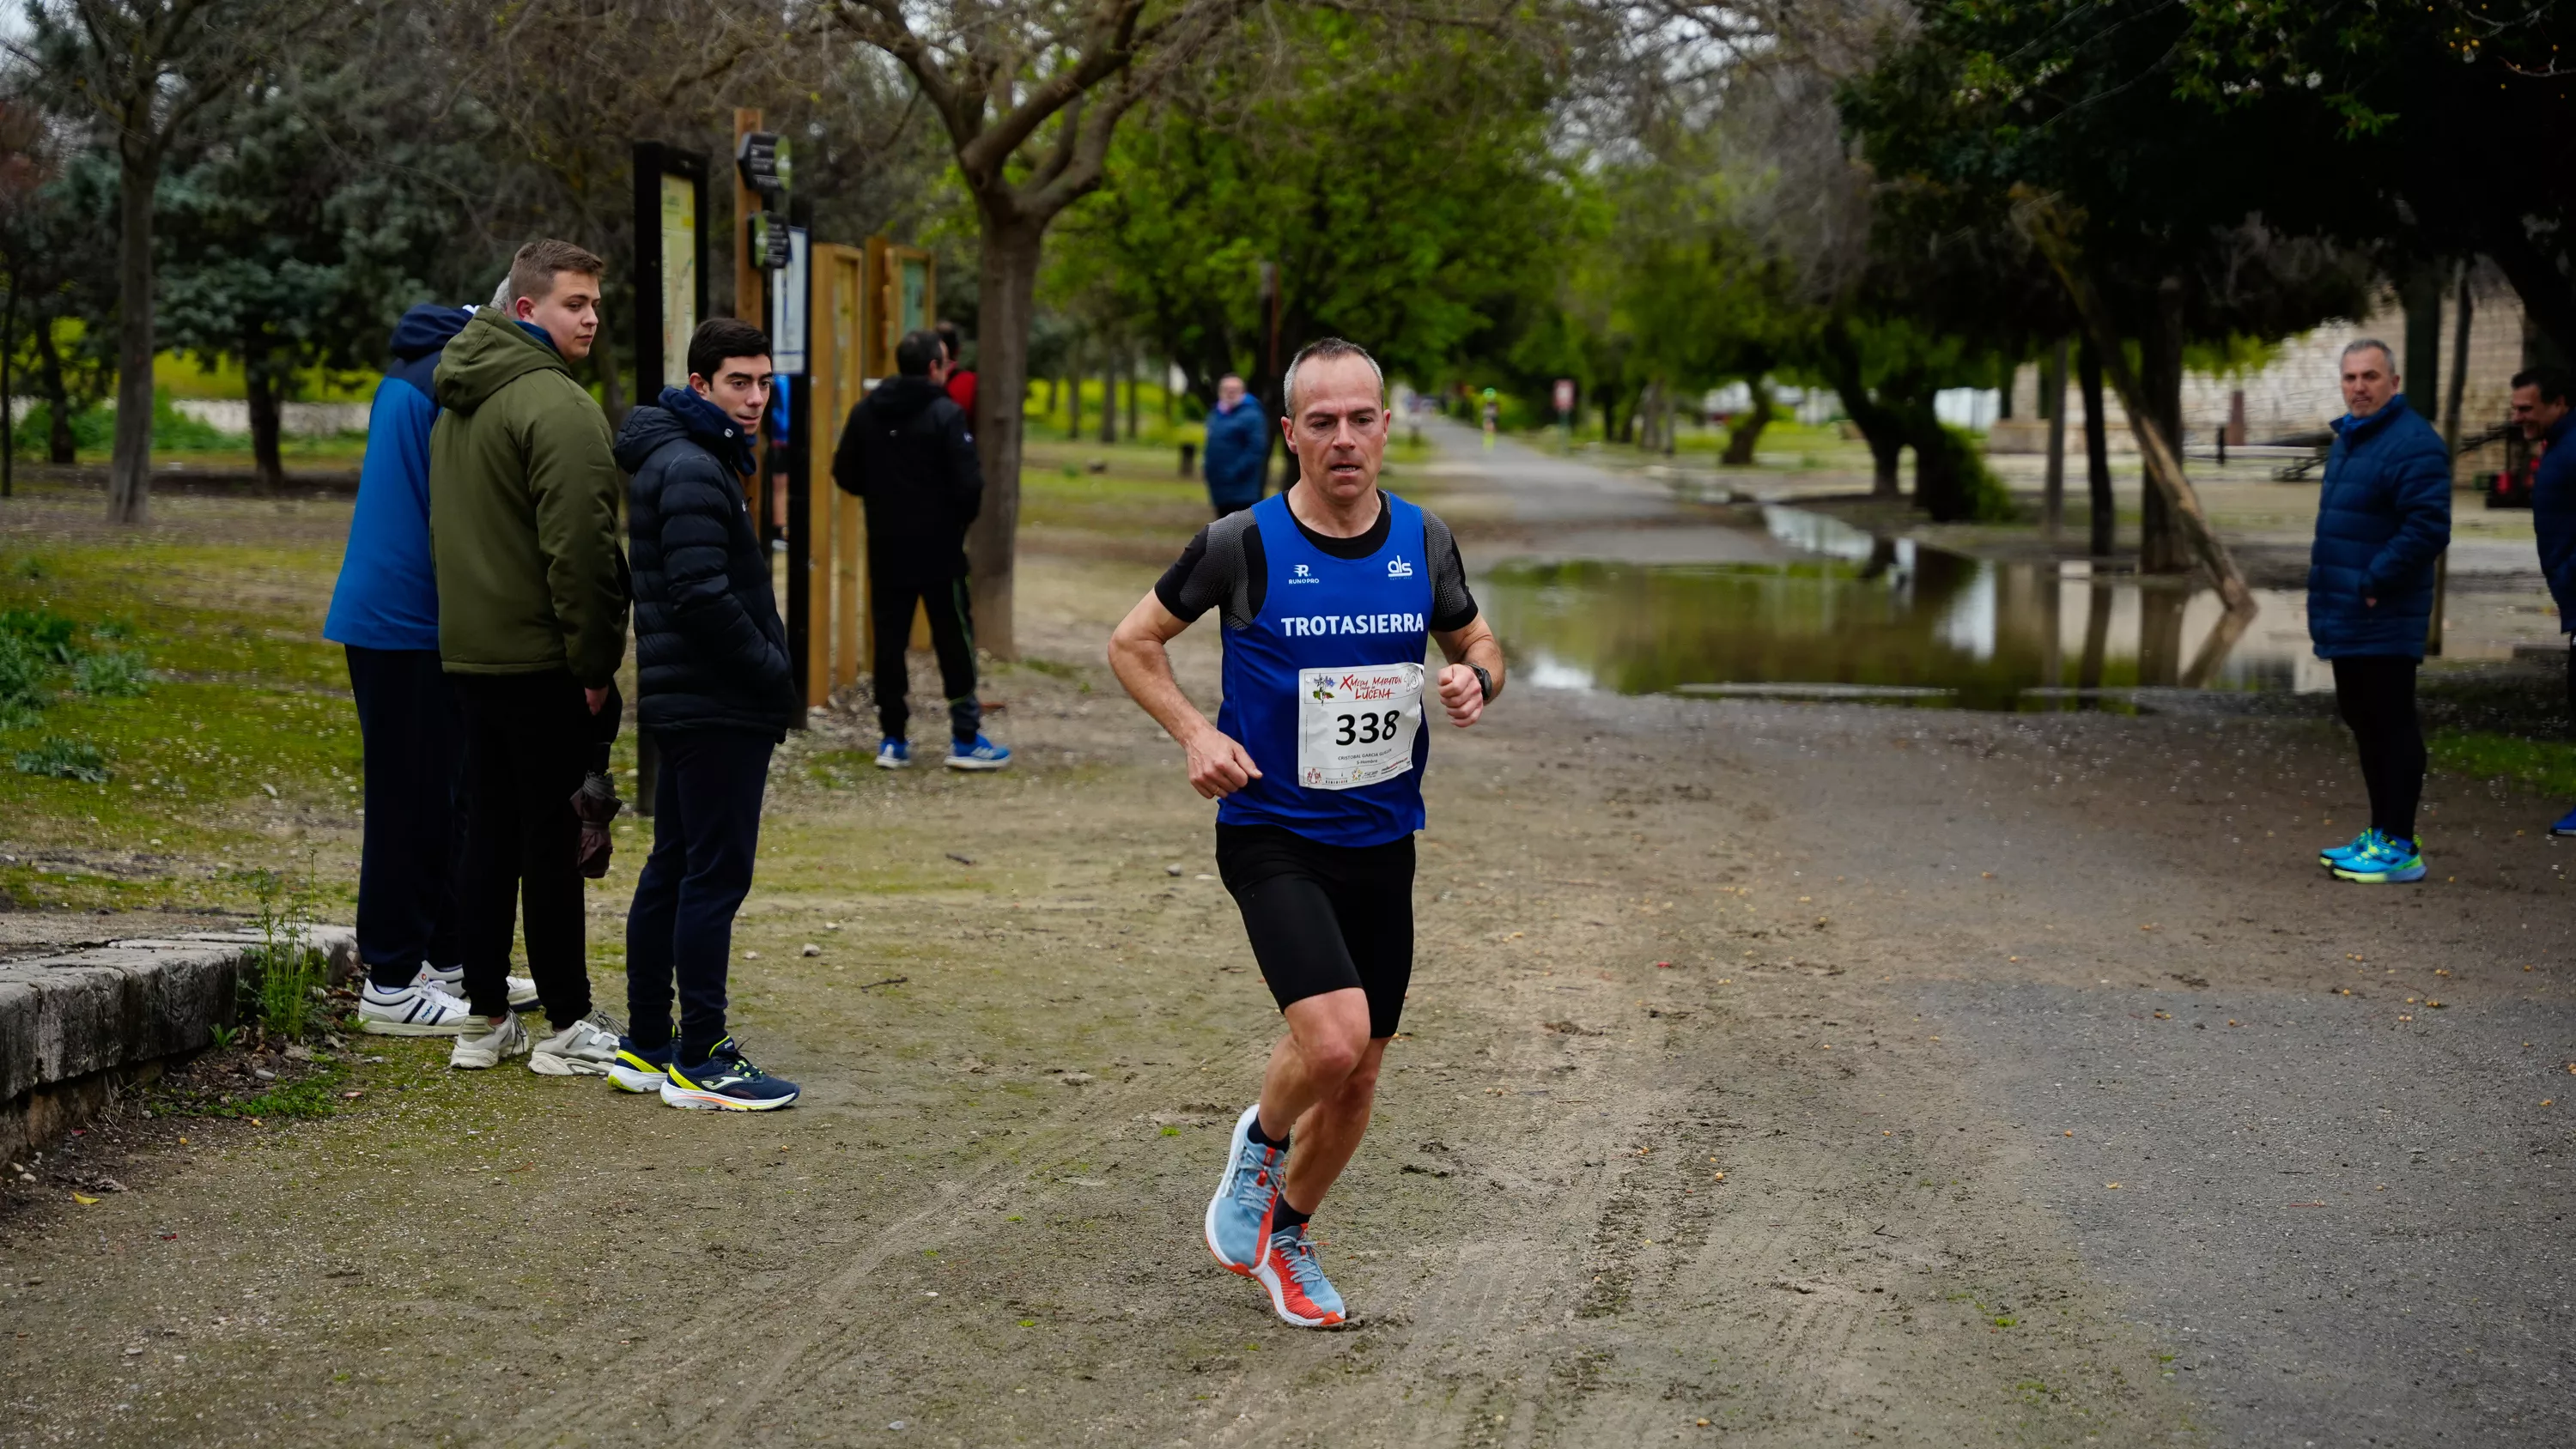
1367,729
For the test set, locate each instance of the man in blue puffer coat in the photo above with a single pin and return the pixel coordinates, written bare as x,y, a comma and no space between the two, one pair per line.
2540,406
1238,448
715,689
384,614
2382,521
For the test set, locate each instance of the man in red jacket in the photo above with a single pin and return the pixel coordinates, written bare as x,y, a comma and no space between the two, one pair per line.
961,378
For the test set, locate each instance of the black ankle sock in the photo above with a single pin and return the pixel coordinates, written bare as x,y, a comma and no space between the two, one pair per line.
1284,1217
1264,1138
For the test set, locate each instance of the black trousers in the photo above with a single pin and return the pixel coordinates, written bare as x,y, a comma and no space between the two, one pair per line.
952,638
1324,917
2375,694
528,740
413,742
706,834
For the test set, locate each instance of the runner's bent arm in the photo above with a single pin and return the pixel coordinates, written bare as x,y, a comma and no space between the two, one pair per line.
1460,691
1218,766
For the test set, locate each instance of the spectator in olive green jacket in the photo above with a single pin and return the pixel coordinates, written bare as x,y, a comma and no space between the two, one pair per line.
532,626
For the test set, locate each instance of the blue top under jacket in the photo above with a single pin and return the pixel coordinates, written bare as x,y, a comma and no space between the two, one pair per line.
387,597
1238,444
2553,517
2383,517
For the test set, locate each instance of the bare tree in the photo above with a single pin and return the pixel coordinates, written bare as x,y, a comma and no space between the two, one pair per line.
1030,92
149,69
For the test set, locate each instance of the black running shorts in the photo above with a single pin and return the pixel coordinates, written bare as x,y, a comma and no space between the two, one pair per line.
1324,917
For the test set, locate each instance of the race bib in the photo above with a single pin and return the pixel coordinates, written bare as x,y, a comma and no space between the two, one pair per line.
1355,726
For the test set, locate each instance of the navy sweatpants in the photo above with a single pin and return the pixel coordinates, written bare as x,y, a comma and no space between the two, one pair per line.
413,743
706,833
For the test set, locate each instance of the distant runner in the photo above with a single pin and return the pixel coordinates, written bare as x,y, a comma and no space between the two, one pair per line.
1330,594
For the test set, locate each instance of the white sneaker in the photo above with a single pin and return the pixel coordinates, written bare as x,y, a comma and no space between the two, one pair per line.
584,1049
484,1045
523,992
414,1010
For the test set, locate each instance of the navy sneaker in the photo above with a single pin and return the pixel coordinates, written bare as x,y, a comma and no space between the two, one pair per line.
725,1082
1238,1217
640,1069
978,753
893,754
2566,824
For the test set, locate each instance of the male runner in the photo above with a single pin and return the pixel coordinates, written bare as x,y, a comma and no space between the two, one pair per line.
1330,593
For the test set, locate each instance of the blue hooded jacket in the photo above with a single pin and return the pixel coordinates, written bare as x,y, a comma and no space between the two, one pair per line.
1238,444
2383,517
387,596
2553,517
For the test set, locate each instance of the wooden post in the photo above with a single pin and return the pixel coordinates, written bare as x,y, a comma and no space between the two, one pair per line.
2051,231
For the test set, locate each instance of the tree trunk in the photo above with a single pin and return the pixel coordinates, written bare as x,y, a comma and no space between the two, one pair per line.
8,403
260,387
2097,448
1878,426
612,386
1109,399
61,449
1747,431
2161,546
1940,486
1006,278
129,469
1132,429
1052,400
1072,403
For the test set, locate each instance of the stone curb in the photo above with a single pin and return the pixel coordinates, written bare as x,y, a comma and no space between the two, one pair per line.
73,1023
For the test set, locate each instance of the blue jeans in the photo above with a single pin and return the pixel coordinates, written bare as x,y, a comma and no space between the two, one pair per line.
706,833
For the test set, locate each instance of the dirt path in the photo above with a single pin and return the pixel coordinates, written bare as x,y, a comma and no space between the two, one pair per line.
1909,953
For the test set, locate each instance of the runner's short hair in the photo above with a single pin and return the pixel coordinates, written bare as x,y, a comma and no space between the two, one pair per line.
718,338
2387,358
914,354
1321,350
533,270
2552,382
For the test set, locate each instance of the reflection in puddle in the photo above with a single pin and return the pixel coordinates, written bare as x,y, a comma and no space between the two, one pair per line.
1866,617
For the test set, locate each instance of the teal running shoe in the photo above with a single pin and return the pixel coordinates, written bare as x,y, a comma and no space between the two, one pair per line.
2335,855
1238,1217
1299,1292
2386,862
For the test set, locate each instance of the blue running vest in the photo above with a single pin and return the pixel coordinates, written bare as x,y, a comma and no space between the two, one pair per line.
1319,612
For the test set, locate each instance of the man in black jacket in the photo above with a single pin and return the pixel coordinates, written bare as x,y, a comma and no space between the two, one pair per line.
714,688
909,457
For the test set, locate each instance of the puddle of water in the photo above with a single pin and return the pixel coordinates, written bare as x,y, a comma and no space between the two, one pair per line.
1872,618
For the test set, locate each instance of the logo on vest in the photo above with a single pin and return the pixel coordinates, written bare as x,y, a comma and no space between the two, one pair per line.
1304,575
1397,568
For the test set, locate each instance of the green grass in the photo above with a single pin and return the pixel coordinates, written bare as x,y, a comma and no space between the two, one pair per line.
2547,765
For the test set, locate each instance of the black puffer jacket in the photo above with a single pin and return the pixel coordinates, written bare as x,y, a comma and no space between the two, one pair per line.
710,651
909,457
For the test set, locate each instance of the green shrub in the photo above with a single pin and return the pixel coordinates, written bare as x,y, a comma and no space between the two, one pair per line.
112,675
43,630
64,760
22,683
94,429
282,981
1988,500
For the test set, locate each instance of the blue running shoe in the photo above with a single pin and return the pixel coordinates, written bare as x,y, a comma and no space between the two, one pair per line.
977,754
893,754
2335,855
2566,824
640,1069
2386,862
725,1082
1239,1215
1299,1292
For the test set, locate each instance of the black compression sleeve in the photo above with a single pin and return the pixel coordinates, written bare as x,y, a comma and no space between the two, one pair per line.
1452,606
1186,588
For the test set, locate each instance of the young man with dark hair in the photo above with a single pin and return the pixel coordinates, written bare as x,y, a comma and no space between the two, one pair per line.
1331,593
961,378
2383,517
384,614
531,628
714,688
908,455
2540,408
